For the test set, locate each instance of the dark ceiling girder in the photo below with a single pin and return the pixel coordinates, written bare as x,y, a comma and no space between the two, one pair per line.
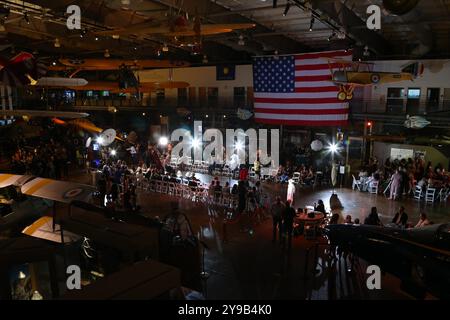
207,9
357,26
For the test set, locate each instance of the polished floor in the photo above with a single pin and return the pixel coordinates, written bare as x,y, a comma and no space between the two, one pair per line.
245,264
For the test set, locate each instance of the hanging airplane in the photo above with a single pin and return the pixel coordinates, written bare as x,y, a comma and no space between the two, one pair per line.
348,75
179,26
115,64
43,114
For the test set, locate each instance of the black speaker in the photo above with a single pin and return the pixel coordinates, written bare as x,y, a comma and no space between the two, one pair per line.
399,7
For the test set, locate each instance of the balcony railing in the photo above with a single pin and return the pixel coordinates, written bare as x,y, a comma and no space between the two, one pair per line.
399,106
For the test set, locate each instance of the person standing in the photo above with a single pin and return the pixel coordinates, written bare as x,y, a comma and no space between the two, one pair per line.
276,211
291,191
257,168
288,223
396,180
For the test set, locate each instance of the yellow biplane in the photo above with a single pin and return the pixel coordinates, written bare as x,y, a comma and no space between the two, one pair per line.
350,74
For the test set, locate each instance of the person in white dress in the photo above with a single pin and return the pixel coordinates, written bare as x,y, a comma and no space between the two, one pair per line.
291,191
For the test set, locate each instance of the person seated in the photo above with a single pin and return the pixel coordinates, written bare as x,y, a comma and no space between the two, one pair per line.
373,218
334,219
320,207
423,221
348,219
356,221
400,218
309,178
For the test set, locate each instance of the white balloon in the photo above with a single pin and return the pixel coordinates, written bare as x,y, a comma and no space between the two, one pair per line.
316,145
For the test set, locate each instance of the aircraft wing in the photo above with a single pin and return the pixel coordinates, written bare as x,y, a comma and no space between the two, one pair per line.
61,191
13,179
43,113
43,229
212,29
137,29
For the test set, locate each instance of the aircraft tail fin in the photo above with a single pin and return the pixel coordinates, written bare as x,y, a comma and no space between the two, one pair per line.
416,69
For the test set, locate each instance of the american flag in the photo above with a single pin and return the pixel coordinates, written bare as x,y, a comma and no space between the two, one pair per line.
297,89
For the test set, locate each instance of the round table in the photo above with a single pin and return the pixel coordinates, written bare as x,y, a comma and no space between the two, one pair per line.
303,218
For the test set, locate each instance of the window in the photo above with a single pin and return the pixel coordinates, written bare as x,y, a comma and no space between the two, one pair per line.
239,97
413,101
413,93
213,93
395,100
160,94
182,95
433,98
446,102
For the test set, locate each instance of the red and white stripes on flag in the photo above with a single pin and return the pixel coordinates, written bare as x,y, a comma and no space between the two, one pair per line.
297,89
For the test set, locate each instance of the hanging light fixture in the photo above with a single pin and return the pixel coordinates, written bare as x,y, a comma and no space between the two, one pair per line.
107,55
241,41
286,9
311,24
57,44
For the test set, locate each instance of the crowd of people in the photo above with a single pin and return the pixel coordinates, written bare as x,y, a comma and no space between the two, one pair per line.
402,176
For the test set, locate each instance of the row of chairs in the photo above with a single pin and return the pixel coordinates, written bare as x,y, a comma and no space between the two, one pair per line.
431,194
371,188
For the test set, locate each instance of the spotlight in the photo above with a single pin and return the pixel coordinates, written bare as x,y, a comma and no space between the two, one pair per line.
54,63
224,116
333,148
143,113
113,152
96,38
206,116
286,10
163,141
239,146
100,140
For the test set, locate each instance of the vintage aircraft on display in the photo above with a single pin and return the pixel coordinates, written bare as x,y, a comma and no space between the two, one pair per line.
43,114
115,64
348,75
26,197
21,70
144,87
420,257
178,26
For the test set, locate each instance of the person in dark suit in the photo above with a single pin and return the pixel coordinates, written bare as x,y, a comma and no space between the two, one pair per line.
288,223
400,218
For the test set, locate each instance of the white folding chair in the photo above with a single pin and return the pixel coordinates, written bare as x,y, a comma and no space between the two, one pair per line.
296,177
373,187
356,183
430,195
418,193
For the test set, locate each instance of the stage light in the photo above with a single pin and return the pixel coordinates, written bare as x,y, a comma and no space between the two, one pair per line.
196,143
96,38
163,141
333,148
286,10
369,123
113,152
239,146
100,140
143,114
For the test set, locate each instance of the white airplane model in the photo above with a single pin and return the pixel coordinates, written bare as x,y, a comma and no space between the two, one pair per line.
416,122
